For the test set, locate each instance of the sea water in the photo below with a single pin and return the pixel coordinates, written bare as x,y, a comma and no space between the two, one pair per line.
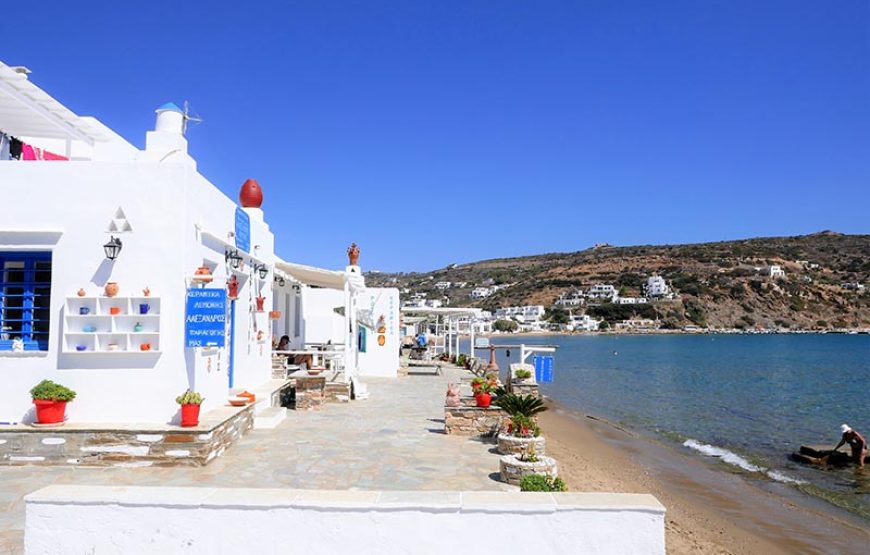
747,401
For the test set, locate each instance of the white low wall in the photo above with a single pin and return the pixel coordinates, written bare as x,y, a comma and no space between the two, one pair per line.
129,520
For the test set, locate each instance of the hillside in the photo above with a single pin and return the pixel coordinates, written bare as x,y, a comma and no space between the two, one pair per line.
719,284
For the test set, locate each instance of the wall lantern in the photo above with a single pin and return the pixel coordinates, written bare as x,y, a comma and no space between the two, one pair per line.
233,258
280,281
112,248
263,270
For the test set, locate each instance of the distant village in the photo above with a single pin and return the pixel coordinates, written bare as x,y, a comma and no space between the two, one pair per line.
569,312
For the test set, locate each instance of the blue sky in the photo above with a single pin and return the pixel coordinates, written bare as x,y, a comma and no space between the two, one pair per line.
432,132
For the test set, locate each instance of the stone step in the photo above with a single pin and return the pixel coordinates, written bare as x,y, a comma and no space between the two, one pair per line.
269,418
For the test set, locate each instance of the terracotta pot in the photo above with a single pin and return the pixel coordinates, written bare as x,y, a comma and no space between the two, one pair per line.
111,289
274,314
81,293
146,292
189,415
251,195
353,254
49,412
233,287
203,275
260,301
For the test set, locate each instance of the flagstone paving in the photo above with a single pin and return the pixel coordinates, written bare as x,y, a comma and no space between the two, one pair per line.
392,441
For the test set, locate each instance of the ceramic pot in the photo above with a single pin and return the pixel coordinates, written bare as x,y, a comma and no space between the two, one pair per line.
49,412
83,310
111,289
274,314
203,275
233,287
251,195
81,293
353,254
145,347
138,327
189,415
260,301
146,292
144,308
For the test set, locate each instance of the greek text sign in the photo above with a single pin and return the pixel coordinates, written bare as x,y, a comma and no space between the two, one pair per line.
243,230
544,369
205,318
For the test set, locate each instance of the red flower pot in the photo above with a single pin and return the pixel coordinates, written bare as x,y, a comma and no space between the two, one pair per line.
49,412
483,400
189,415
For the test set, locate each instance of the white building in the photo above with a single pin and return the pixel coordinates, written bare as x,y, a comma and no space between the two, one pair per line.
527,314
584,322
630,300
571,300
442,285
604,291
775,272
656,287
481,292
130,354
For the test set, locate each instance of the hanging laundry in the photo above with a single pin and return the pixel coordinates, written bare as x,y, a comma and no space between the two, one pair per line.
15,148
46,155
28,152
4,147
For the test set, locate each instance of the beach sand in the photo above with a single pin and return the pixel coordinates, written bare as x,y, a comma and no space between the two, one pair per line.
708,510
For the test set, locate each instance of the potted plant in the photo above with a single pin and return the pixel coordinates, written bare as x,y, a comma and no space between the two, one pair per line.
513,468
476,383
523,375
190,402
522,430
50,400
483,395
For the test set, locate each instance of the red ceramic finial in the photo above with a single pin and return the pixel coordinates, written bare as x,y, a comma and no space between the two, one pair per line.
353,254
251,195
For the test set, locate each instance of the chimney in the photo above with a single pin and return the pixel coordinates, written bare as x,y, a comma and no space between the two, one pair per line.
167,143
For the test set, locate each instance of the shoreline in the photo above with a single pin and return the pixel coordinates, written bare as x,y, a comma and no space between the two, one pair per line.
860,331
708,510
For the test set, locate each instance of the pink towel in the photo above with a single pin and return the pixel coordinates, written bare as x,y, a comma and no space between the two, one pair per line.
46,155
27,152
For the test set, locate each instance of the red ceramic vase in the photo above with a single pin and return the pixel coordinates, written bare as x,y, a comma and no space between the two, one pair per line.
49,412
251,195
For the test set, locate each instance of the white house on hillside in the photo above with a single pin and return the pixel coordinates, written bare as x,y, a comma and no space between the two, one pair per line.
656,287
602,291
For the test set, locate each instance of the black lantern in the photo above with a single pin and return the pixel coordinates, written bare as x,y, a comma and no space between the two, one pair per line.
280,281
112,248
263,270
233,258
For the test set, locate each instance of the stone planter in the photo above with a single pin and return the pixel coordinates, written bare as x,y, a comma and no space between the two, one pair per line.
512,470
510,445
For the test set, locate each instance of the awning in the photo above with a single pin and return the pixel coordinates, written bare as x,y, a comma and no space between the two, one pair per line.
309,275
28,111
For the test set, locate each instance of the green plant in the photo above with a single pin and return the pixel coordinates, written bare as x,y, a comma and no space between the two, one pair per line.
523,374
523,426
523,405
485,387
478,381
530,454
541,482
189,398
47,390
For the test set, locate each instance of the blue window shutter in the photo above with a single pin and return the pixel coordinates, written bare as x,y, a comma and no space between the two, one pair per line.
25,299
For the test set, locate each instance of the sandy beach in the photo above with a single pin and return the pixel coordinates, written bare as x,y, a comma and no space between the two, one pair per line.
708,510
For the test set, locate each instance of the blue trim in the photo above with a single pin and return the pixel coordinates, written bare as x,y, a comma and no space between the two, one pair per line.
26,292
232,341
169,106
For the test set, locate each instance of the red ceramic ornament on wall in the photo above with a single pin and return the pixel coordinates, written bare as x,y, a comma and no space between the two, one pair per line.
251,195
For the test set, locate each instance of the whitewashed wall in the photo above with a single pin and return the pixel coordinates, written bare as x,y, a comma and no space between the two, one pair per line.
378,360
94,519
162,203
320,322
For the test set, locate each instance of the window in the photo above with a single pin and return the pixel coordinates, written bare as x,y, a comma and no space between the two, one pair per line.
25,299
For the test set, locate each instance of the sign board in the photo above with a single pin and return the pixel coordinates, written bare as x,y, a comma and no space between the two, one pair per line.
205,318
243,230
544,369
481,342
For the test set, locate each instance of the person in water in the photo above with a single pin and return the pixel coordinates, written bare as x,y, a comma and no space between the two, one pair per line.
856,441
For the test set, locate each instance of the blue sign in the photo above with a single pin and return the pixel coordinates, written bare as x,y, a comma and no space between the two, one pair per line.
205,321
544,369
243,230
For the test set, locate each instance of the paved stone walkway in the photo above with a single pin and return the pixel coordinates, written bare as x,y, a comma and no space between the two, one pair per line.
392,441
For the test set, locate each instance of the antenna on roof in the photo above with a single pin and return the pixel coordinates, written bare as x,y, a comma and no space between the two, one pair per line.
189,118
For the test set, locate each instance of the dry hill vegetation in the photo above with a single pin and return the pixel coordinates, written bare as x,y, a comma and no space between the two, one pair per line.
718,283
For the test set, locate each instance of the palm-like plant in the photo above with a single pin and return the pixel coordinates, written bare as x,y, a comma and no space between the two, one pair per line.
523,405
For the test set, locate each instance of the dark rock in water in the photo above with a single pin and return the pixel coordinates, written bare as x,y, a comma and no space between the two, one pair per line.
824,455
